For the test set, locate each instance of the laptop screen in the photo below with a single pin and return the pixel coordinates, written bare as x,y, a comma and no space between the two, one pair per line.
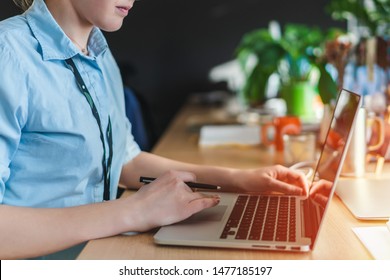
331,160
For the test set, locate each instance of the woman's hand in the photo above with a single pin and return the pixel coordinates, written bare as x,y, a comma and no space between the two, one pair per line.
320,191
167,200
275,178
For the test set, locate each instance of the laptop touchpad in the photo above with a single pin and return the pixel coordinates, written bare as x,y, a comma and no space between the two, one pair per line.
213,214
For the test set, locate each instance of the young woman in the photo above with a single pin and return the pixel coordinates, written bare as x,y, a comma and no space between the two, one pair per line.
65,143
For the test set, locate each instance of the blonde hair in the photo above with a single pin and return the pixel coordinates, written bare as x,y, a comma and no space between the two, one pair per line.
23,4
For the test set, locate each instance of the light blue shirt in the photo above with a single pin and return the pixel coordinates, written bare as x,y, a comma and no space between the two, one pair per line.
50,148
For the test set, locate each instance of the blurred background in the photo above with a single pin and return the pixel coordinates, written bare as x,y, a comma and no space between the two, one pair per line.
166,49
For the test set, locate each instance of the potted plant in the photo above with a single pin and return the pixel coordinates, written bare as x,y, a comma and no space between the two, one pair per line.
292,56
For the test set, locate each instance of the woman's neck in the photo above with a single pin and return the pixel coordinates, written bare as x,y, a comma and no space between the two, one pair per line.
73,25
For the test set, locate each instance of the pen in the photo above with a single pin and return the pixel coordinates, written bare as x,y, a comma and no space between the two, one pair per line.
195,185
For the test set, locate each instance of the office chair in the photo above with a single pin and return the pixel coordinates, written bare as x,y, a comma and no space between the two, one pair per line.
139,126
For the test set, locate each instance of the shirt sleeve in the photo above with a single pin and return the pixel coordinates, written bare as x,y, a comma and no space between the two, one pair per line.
13,112
132,148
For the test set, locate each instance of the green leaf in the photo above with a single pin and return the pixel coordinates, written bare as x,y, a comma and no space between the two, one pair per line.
254,90
327,87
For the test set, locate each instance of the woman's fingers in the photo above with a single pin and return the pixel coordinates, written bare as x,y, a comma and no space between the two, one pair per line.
289,181
169,200
201,203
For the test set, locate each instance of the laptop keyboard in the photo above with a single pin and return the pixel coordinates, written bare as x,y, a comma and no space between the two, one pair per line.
273,218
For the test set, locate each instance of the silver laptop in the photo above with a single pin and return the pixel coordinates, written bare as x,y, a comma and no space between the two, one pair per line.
273,222
366,198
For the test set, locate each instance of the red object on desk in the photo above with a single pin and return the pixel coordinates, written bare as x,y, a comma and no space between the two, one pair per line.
282,125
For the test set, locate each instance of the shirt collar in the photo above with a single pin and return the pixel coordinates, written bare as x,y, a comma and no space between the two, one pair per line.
53,41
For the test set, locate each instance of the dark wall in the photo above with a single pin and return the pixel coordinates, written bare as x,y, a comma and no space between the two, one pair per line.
172,44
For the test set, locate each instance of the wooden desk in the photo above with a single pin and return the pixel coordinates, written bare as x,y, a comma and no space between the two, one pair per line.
336,239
